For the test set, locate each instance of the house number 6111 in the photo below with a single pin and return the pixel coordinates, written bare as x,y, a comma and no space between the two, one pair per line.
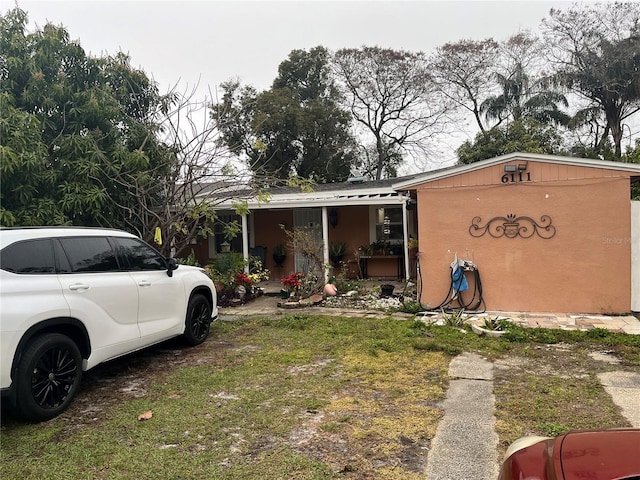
516,177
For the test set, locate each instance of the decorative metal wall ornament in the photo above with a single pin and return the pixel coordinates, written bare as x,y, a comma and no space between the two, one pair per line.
512,227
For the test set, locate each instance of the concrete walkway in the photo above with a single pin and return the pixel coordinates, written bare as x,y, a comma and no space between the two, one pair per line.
268,305
465,444
624,388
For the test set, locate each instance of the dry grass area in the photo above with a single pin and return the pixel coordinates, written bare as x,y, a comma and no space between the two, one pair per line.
306,397
378,425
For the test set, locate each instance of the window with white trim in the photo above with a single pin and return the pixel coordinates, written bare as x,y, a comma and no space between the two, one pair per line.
387,223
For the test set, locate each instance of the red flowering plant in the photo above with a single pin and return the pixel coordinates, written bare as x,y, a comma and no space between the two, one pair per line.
292,282
242,279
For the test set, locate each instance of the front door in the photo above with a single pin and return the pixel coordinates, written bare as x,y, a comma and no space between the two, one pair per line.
309,219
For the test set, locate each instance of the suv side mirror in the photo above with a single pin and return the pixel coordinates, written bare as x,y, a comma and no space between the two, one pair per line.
172,265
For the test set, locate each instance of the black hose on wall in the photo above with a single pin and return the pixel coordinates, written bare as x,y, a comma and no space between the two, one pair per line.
456,302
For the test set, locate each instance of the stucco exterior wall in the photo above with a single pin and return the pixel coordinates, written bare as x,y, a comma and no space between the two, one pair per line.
352,229
268,234
583,267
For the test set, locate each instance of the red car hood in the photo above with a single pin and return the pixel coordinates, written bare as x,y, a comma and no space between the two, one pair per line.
602,455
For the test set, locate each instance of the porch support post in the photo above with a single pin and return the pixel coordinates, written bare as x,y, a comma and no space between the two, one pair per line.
405,238
325,242
245,243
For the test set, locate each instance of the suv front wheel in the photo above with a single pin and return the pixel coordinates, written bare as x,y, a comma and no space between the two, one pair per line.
198,320
47,377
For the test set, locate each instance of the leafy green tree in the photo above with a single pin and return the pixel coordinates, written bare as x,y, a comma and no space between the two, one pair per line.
595,49
89,141
295,128
522,135
392,97
23,168
85,109
603,150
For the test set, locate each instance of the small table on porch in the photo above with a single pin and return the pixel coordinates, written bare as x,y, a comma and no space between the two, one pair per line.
365,259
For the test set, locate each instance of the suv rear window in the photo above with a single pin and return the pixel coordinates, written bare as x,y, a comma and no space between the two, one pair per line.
31,256
90,254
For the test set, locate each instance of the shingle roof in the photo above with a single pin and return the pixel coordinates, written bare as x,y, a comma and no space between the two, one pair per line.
368,192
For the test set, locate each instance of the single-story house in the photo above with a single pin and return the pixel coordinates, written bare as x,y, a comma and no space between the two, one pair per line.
538,232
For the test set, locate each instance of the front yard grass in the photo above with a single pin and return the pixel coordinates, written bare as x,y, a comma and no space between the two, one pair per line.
306,397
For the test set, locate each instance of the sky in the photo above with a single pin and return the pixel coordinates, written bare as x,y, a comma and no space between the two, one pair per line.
184,41
207,42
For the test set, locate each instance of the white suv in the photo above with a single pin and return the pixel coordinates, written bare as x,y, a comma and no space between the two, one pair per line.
71,298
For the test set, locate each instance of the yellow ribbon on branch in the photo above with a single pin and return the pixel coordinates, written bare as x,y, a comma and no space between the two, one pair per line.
157,237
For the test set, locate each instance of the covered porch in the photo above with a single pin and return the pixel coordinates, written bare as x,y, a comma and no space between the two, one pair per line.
364,229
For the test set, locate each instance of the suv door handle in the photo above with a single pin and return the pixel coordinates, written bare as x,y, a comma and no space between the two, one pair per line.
144,283
79,286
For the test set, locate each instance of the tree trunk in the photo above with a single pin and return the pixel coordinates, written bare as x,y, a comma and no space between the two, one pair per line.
382,157
616,133
612,114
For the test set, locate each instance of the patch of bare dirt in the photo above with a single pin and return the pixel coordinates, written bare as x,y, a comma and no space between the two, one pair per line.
559,360
131,377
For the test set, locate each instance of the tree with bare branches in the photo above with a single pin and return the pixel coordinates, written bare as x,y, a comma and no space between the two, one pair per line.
177,189
462,71
393,98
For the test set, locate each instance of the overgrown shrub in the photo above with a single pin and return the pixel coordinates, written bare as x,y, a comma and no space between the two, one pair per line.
228,271
189,260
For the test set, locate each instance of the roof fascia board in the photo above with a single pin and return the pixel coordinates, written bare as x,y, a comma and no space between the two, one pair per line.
342,192
574,161
324,194
342,200
362,196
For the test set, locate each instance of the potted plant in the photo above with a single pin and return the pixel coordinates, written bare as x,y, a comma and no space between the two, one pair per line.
291,284
386,290
279,255
336,252
491,327
379,247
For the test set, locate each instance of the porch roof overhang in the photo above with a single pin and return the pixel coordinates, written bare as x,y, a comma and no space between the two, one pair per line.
365,193
324,199
411,183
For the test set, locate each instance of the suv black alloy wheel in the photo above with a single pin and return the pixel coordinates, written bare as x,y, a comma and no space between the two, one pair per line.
198,320
48,376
